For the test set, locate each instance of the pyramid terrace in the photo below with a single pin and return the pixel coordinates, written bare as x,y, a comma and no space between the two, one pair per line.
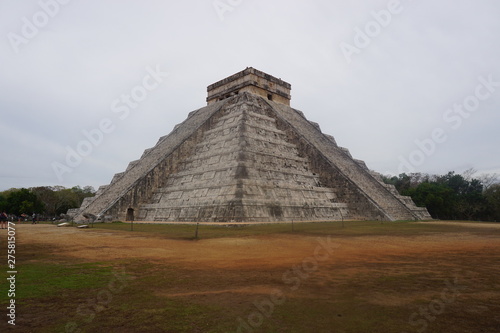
248,157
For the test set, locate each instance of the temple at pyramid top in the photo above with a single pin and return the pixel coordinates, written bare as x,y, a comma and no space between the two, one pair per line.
252,81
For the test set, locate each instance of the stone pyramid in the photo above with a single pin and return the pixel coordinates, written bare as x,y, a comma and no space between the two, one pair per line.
247,157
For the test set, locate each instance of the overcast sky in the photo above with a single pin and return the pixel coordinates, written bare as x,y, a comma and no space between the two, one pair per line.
404,85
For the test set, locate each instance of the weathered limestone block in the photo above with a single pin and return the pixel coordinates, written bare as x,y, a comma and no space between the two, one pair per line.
316,125
131,165
146,151
72,212
331,138
346,151
117,176
362,164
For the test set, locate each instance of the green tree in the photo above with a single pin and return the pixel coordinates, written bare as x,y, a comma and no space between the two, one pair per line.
48,196
59,199
3,202
19,201
449,196
401,182
438,198
492,196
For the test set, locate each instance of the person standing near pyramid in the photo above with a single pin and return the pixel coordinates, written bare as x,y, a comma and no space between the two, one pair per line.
3,220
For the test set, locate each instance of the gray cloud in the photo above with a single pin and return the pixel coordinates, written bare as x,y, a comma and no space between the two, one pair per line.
396,90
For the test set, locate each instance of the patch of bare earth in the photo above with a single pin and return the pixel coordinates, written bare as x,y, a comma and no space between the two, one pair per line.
390,272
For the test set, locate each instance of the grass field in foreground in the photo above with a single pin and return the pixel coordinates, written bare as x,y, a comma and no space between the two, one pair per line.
336,228
354,291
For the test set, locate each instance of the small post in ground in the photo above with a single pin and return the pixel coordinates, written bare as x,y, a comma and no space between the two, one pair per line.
196,231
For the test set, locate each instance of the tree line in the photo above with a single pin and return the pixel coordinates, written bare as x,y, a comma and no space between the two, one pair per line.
45,201
448,197
452,196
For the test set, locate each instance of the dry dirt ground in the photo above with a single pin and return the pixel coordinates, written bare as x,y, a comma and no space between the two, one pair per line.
442,280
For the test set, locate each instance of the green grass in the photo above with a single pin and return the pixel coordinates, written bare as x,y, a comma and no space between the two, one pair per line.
348,228
39,280
51,286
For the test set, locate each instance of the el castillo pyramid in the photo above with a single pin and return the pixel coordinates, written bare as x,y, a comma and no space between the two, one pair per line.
245,157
